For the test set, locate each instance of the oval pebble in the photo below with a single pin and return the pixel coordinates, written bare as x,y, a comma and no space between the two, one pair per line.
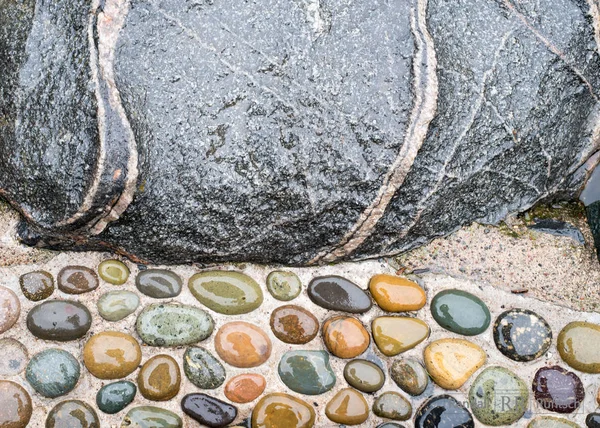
52,372
159,378
522,335
242,344
347,407
159,283
460,312
72,414
11,309
13,357
593,420
245,388
284,286
203,369
59,320
77,280
36,286
16,408
410,376
282,410
392,405
117,305
338,294
151,417
364,375
113,271
293,324
208,410
577,346
114,397
307,372
443,411
345,337
395,294
111,355
558,390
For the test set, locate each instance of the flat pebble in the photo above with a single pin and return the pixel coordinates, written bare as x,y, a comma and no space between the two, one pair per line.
159,378
159,283
10,309
151,417
117,305
307,372
558,390
52,372
522,335
451,362
203,369
293,324
59,320
208,410
578,346
460,312
226,292
364,375
245,388
443,411
77,280
72,414
242,344
280,410
114,397
551,422
338,294
168,324
16,408
113,271
410,376
38,285
345,337
111,355
392,405
347,407
395,294
13,357
394,335
284,285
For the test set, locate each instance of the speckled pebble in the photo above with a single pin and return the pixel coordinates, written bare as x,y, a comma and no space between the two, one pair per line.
522,335
226,292
117,305
72,414
364,375
410,376
38,285
10,308
307,372
52,372
558,390
207,410
284,286
347,407
77,280
13,357
203,369
159,283
443,411
15,405
113,271
114,397
338,294
151,417
59,320
392,405
159,378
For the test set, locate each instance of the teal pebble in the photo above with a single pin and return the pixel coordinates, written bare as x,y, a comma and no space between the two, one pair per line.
460,312
307,372
52,372
114,397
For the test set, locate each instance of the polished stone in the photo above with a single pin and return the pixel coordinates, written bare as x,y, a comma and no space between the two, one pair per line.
558,390
498,397
443,411
577,345
207,410
410,376
38,285
10,309
13,357
522,335
460,312
15,405
284,285
159,378
242,344
364,375
53,372
279,410
347,407
338,294
151,417
59,320
394,335
203,369
551,422
245,388
451,362
593,420
392,405
226,292
293,324
395,294
307,372
114,397
113,271
111,355
168,324
117,305
159,283
77,280
72,414
345,337
390,425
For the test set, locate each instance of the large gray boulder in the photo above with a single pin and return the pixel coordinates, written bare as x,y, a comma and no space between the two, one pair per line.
296,132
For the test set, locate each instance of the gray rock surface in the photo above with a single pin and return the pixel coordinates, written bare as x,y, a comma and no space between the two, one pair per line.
303,132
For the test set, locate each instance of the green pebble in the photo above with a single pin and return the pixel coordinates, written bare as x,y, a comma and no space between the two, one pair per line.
226,292
151,417
113,271
284,285
203,369
392,405
410,376
72,414
364,375
551,422
52,372
114,397
498,397
159,283
460,312
307,372
116,305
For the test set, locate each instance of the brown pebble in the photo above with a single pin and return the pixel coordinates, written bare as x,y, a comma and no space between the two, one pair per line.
15,408
242,344
245,388
395,294
10,308
38,285
160,378
345,337
13,357
293,324
111,355
347,407
77,280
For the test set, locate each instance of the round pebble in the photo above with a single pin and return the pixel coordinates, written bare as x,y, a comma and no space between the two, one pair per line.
345,337
151,417
160,378
293,324
460,312
113,271
13,357
245,388
284,286
392,405
111,355
558,390
443,411
451,362
395,294
522,335
338,294
307,372
280,410
72,414
10,309
52,372
77,280
207,410
114,397
226,292
242,344
117,305
59,320
394,335
577,346
203,369
38,285
159,283
16,408
347,407
410,376
364,375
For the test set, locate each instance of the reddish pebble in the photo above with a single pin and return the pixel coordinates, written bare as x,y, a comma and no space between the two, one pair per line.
242,344
245,388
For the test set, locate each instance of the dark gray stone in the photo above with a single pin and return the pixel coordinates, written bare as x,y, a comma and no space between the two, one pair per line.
558,228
